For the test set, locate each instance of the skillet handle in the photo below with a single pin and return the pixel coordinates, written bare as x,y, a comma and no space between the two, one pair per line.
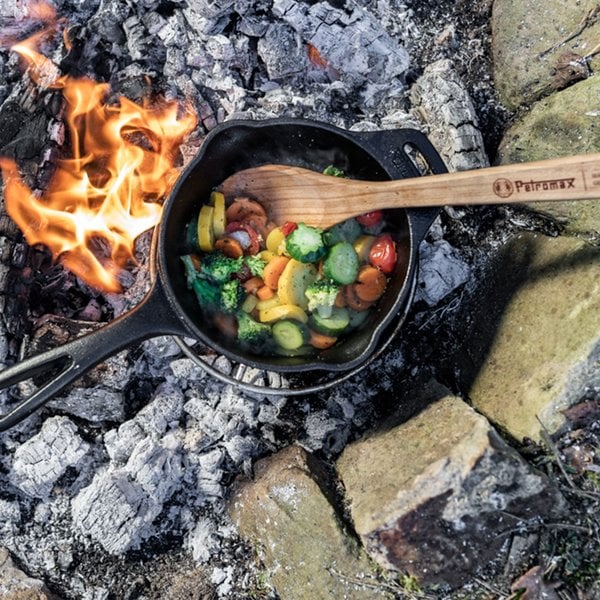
153,317
393,149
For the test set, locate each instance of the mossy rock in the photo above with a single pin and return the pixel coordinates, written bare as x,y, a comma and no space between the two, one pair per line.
567,123
531,347
532,57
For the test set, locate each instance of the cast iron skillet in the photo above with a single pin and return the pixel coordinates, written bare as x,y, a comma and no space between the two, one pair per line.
170,308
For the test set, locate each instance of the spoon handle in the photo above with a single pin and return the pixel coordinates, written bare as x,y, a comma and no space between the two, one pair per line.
569,178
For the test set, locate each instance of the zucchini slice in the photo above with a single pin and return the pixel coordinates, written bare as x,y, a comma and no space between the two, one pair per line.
334,325
288,334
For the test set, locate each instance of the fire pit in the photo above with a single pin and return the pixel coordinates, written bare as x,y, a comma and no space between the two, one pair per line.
129,468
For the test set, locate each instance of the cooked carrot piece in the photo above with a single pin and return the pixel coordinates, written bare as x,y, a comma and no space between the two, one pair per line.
370,284
253,284
320,340
352,299
243,209
273,270
265,292
340,300
229,247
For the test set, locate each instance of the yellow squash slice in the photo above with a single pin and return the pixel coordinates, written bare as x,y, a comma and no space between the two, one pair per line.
217,200
362,246
283,311
206,232
294,280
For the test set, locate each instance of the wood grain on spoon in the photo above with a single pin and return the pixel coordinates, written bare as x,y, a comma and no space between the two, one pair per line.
296,194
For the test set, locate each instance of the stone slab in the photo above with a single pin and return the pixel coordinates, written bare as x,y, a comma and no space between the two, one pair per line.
17,585
432,497
531,346
529,44
287,513
567,123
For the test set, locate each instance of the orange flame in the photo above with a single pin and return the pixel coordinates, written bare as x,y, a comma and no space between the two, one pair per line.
106,195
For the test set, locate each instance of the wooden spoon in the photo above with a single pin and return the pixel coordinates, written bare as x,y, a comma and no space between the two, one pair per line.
301,195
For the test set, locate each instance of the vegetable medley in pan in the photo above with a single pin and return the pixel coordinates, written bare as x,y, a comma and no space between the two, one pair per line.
285,289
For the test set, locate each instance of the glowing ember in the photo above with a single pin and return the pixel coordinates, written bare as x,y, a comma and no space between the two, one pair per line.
107,194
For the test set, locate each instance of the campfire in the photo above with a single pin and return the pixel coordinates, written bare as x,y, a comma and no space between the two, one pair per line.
122,165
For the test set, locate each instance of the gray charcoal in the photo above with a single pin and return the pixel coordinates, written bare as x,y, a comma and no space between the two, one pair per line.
200,10
205,469
154,22
186,372
354,44
282,52
11,9
137,39
324,432
175,62
95,404
163,347
253,25
108,21
41,461
441,271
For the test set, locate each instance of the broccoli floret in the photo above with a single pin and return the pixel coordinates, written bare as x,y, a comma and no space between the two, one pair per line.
321,295
207,292
252,332
305,243
255,264
334,171
220,268
232,295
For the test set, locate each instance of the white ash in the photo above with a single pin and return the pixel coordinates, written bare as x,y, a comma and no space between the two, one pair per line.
44,542
441,271
42,460
205,472
157,353
352,41
203,539
441,100
325,432
10,517
186,372
223,578
152,421
397,19
120,505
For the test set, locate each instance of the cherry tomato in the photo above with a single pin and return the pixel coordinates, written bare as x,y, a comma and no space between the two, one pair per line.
370,219
383,253
288,227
